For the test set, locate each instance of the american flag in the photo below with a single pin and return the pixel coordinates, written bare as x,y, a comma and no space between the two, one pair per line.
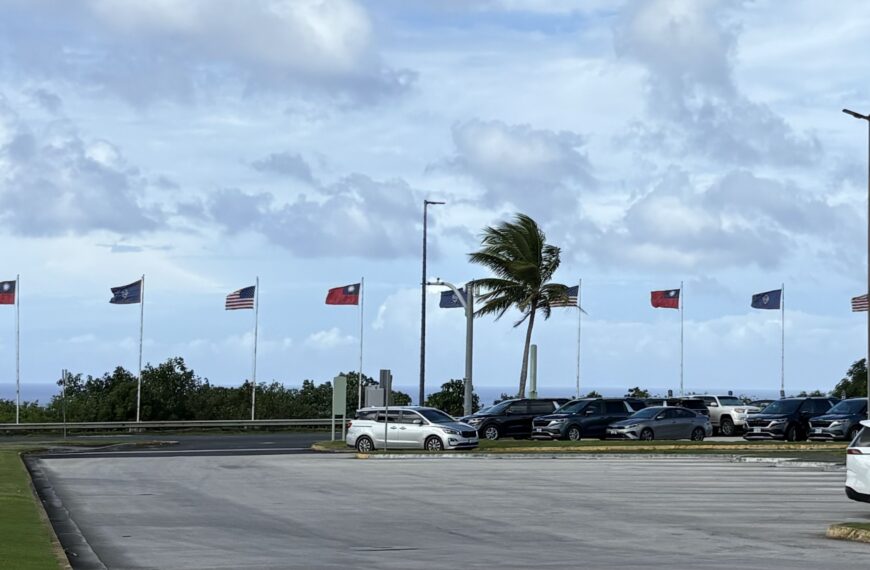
241,299
859,303
570,300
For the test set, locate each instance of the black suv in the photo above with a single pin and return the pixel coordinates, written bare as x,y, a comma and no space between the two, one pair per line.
512,418
842,422
586,417
788,418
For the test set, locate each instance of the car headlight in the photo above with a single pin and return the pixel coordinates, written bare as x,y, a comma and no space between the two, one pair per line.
740,410
557,422
632,426
451,431
777,422
473,421
836,423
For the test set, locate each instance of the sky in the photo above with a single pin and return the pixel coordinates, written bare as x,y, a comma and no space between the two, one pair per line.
209,142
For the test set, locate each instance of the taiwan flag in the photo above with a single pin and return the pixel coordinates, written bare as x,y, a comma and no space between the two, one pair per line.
669,299
7,292
347,295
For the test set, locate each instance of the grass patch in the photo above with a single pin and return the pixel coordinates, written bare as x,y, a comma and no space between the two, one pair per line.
26,540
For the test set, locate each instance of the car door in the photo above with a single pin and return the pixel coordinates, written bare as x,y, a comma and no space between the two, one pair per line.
593,419
387,426
665,424
684,422
411,432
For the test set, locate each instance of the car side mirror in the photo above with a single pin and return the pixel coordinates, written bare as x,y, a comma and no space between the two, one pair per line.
417,422
712,405
660,417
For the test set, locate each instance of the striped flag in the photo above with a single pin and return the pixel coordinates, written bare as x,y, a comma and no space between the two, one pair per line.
241,299
859,303
570,300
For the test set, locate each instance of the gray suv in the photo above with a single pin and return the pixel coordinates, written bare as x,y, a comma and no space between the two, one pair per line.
842,422
408,427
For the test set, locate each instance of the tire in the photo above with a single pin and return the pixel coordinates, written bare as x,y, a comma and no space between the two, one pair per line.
364,444
726,427
574,433
698,434
491,432
433,443
647,434
792,433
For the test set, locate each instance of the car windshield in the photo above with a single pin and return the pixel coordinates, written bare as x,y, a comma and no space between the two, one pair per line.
496,409
646,413
730,401
573,407
436,416
849,407
782,407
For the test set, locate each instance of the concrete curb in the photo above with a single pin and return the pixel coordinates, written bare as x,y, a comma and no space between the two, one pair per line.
772,461
57,547
842,531
320,448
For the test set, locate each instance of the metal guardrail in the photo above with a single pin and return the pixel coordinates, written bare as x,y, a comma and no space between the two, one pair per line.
312,422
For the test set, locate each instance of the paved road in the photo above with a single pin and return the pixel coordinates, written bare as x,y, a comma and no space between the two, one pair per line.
315,511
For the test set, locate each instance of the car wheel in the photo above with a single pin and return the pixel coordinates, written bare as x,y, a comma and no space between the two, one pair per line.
491,432
574,433
364,444
698,434
792,434
726,427
434,443
647,435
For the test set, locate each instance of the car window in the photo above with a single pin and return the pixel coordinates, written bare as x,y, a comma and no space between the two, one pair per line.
709,399
597,408
518,408
817,406
614,406
408,417
541,407
393,417
863,439
369,415
693,404
678,413
668,413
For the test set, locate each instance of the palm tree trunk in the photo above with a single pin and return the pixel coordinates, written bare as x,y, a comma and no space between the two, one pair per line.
524,370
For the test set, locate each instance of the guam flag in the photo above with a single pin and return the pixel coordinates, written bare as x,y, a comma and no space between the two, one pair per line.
767,300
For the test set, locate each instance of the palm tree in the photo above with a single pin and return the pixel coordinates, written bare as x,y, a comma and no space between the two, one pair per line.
523,264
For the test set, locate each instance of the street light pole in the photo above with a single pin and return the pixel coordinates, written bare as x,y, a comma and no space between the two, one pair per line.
426,204
867,360
467,303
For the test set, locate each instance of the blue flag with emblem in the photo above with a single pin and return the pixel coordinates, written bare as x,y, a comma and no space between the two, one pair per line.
767,300
450,300
127,294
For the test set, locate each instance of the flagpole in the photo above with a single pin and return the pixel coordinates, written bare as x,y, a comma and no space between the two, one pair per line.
254,370
141,333
359,377
579,325
17,349
782,355
682,298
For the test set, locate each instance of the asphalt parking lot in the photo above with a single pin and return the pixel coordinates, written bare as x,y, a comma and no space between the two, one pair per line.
316,511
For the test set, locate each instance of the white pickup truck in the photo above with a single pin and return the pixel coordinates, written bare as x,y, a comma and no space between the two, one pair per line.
727,413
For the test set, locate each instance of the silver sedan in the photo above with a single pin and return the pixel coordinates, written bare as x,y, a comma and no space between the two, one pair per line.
662,423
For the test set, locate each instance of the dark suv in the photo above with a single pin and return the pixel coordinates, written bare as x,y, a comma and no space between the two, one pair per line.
788,418
512,418
841,422
586,417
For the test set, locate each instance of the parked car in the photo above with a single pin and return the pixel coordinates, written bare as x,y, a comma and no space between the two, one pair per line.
408,427
788,418
584,417
727,413
842,422
662,422
761,404
858,465
513,418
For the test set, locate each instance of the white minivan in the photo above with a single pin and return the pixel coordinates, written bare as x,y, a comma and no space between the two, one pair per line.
408,427
858,466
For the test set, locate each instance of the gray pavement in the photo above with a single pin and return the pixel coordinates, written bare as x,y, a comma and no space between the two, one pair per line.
326,511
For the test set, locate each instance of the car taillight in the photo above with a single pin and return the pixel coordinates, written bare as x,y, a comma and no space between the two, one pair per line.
854,451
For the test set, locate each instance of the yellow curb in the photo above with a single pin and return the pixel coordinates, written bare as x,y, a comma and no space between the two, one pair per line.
842,531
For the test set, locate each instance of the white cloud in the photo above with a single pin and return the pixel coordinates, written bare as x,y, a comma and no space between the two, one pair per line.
330,338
